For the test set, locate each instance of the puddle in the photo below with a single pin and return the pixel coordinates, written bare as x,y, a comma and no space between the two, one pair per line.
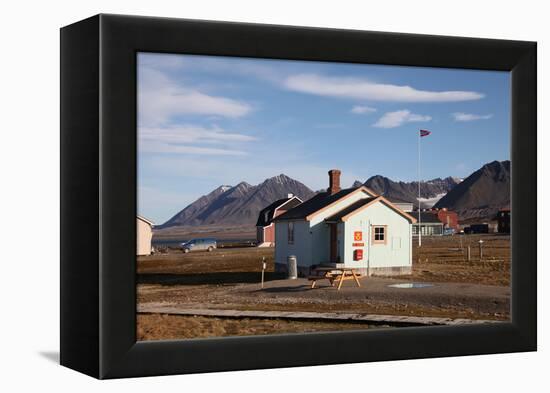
411,285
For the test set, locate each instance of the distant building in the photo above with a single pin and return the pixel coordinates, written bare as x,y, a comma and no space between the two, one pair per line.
352,227
428,223
144,230
477,228
265,229
448,218
503,219
434,222
403,205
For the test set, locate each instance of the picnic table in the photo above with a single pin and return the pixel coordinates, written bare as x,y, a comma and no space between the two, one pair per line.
339,274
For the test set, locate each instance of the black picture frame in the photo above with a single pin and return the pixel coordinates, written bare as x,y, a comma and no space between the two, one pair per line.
98,195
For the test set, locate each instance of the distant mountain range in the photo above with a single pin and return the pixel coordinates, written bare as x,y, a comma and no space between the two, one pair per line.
238,205
480,195
430,191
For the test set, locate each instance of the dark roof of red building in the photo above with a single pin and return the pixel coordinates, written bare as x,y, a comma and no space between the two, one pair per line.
262,221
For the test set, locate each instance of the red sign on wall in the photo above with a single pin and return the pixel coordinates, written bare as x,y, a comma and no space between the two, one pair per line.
357,236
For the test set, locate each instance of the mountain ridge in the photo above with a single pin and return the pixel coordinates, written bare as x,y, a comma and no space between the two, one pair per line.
480,195
430,190
237,205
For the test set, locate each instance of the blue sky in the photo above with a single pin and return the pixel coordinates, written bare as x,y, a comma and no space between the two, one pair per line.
204,121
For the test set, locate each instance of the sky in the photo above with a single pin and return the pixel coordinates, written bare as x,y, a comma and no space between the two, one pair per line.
206,121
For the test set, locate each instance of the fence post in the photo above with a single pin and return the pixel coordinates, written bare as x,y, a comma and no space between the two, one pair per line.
480,249
263,270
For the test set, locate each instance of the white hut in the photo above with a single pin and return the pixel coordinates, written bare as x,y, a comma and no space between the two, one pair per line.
144,231
352,228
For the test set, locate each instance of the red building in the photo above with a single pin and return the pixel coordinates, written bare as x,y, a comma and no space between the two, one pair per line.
448,218
265,229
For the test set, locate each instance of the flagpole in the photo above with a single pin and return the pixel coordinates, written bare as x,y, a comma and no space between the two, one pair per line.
419,219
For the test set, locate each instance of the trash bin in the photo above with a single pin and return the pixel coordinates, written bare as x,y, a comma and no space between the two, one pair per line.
292,267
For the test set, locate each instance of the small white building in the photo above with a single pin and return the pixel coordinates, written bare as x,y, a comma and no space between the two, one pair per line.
144,232
352,227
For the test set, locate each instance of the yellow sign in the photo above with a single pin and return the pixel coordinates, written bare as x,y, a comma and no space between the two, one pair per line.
358,236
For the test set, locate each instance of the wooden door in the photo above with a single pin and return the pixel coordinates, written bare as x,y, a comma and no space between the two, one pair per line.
333,242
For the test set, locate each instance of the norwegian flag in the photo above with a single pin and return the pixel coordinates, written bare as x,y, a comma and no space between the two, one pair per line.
424,133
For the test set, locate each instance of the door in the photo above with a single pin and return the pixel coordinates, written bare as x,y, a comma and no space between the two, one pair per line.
333,243
199,245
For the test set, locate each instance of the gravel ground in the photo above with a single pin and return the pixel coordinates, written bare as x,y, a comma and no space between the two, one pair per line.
456,300
229,279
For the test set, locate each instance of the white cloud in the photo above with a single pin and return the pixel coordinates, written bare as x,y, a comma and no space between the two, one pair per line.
362,110
156,147
185,138
355,88
460,116
398,118
191,134
160,99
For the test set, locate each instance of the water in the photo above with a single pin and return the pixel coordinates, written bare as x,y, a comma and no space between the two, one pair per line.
407,285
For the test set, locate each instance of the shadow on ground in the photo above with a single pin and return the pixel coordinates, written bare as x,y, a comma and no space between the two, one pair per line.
207,278
299,288
52,356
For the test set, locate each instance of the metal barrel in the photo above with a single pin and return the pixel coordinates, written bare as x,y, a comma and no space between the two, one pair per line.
292,267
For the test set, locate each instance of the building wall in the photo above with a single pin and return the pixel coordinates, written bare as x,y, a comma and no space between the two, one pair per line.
312,238
259,235
320,232
341,242
503,218
405,206
301,247
428,229
269,233
448,218
144,236
397,250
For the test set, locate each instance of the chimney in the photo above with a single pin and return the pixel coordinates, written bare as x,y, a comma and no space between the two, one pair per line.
333,181
290,195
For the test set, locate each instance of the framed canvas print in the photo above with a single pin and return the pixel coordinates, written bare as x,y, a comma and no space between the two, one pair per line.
239,196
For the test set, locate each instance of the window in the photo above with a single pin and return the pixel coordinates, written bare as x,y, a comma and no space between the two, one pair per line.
379,234
290,232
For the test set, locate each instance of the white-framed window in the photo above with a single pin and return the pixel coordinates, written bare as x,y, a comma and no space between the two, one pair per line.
290,232
379,234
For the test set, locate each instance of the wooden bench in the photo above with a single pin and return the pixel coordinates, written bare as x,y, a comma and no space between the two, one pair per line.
333,275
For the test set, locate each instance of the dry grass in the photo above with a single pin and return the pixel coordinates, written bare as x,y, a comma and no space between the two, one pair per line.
440,259
170,327
220,260
212,280
444,259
